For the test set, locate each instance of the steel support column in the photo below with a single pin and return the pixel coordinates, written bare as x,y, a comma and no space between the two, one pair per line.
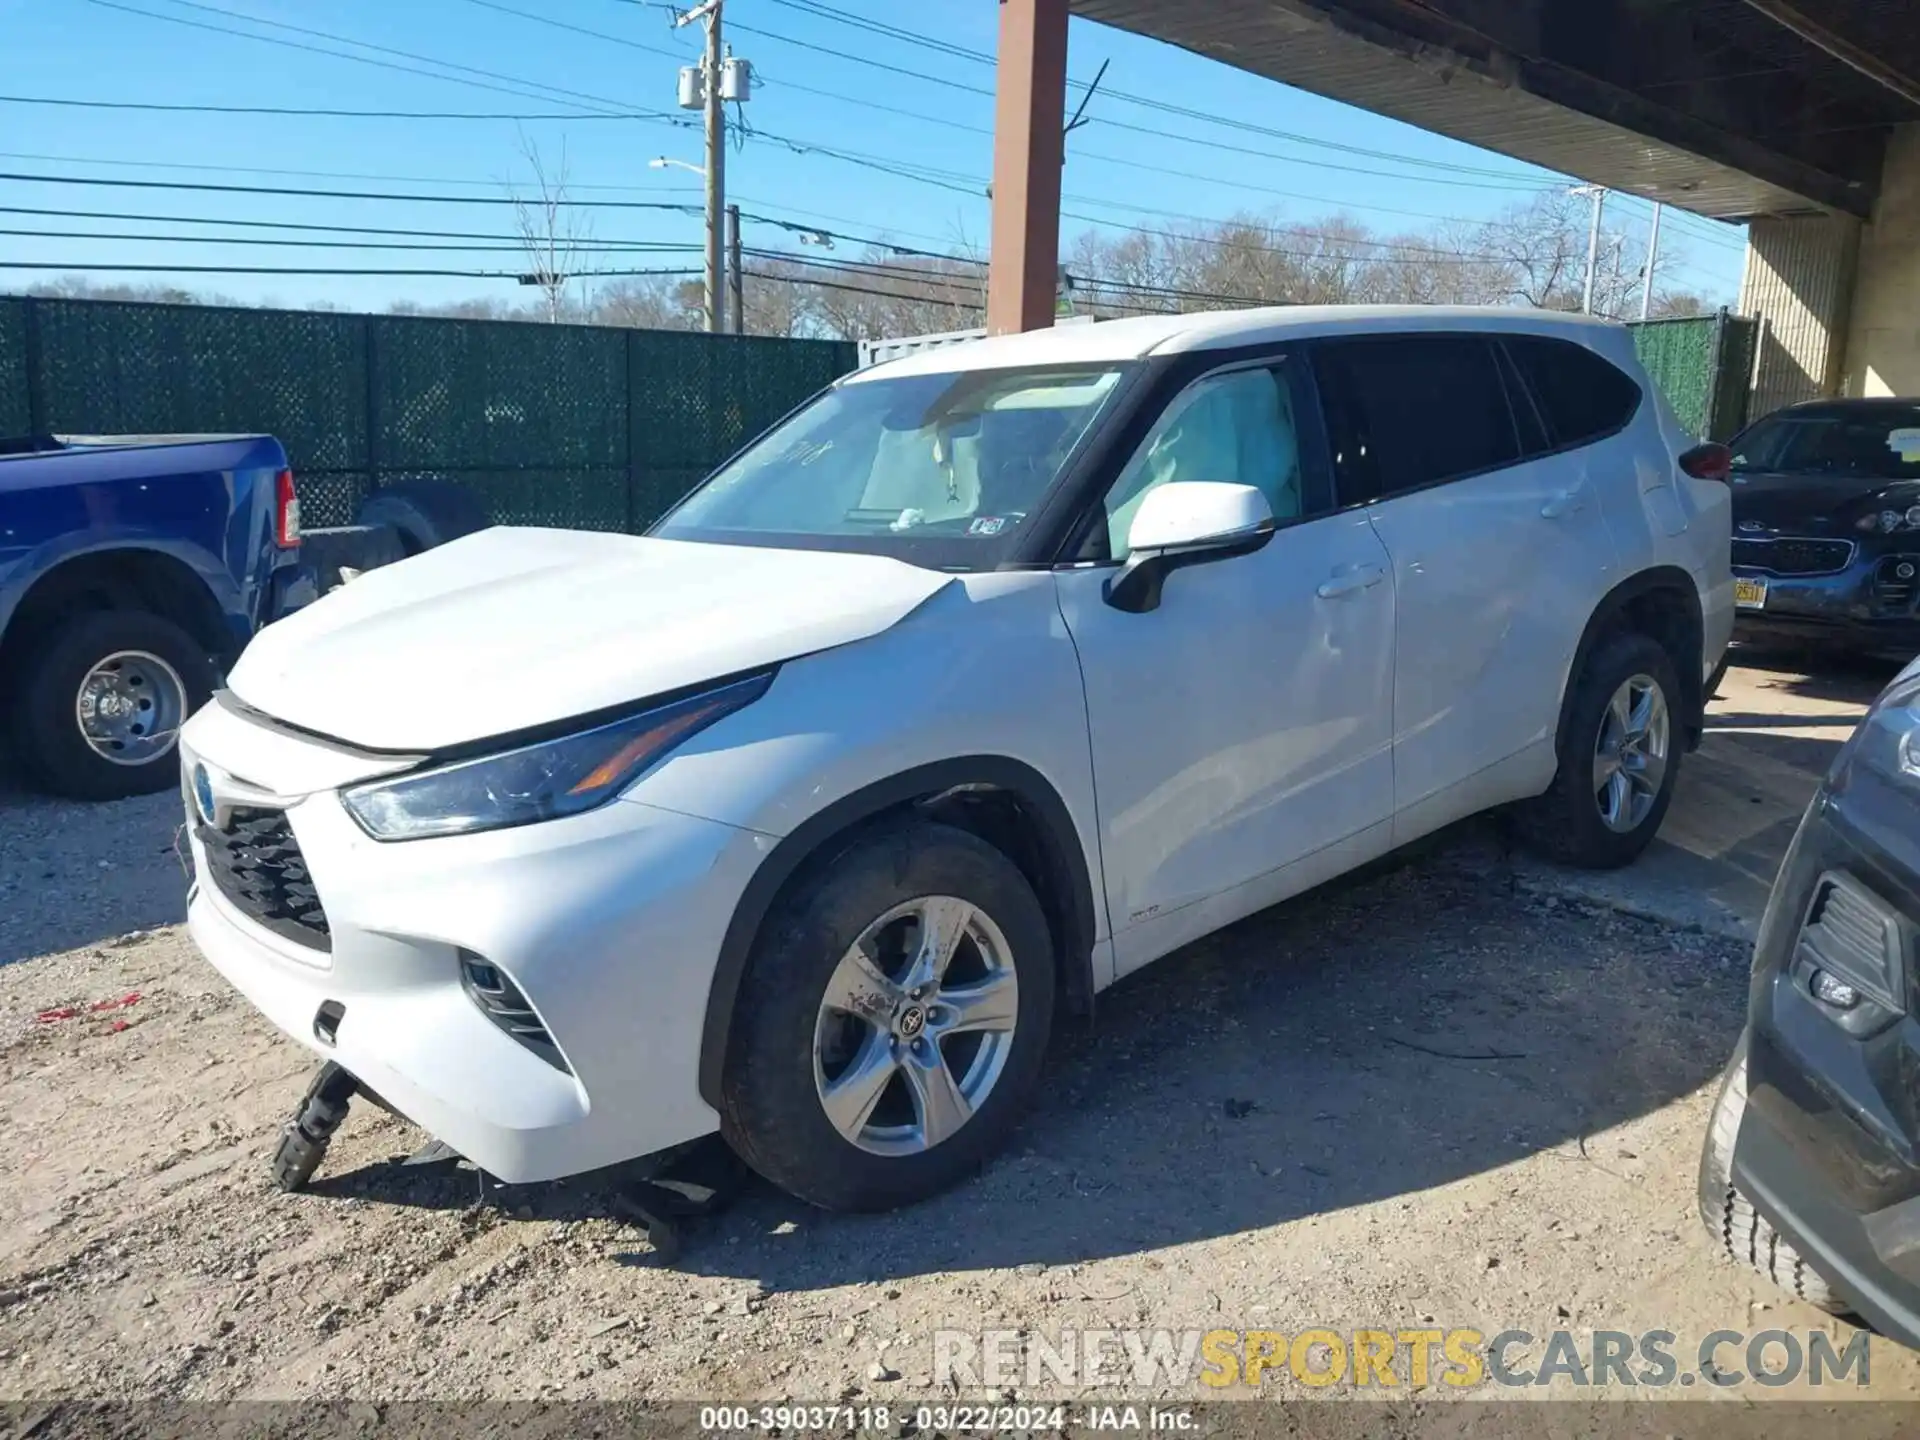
1028,151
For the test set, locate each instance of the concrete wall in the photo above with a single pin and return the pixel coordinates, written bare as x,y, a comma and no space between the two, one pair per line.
1883,353
1799,280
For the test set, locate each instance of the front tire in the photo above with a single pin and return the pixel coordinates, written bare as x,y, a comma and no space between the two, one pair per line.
101,701
1619,756
1736,1227
892,1020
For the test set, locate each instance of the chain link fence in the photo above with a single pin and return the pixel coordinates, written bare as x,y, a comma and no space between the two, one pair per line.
570,425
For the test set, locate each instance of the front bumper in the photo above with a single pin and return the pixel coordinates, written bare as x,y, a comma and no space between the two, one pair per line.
608,923
1829,1149
1868,605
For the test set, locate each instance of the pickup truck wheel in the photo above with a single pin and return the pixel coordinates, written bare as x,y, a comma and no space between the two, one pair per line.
1619,756
892,1019
101,702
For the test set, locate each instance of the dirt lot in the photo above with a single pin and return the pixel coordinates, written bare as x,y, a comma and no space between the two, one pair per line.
1431,1097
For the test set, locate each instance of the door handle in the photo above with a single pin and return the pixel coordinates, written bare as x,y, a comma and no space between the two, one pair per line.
1350,581
1568,502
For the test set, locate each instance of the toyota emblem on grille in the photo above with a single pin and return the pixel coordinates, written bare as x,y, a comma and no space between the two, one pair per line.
1751,526
203,793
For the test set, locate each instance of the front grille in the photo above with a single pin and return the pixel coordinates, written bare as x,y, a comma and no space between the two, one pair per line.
257,865
502,1002
1894,582
1793,556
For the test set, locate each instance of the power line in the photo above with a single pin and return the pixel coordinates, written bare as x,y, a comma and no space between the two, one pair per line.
341,194
322,174
860,290
893,32
307,111
524,89
304,270
574,96
416,234
577,247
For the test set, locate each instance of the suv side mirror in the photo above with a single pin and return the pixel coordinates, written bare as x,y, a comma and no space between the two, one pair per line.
1187,522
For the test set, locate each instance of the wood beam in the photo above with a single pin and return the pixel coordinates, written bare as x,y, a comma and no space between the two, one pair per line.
1030,98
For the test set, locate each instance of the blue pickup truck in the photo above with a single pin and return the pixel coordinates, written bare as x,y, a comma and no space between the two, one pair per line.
132,571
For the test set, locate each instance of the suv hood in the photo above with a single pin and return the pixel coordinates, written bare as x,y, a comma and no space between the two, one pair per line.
1814,504
511,628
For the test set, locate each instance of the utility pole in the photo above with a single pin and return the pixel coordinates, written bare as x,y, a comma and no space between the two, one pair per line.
736,274
713,292
1599,196
1653,254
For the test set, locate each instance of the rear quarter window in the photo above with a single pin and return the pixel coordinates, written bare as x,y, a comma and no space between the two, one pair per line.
1580,396
1407,411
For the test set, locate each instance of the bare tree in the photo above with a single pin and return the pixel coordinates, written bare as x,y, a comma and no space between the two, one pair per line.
553,233
652,302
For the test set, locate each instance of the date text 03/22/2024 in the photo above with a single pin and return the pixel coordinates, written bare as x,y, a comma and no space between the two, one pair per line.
949,1419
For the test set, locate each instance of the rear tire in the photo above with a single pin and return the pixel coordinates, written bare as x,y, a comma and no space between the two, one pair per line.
1571,823
927,1122
424,513
1739,1229
171,677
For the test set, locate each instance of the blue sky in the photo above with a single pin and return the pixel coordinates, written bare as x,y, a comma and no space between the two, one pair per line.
814,90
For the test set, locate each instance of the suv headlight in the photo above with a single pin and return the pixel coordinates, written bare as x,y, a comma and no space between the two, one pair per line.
1888,522
542,781
1887,740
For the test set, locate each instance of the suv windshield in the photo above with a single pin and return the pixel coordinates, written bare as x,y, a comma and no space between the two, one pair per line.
1881,444
888,466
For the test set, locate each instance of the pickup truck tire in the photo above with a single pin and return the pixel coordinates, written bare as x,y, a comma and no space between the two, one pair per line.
425,513
154,672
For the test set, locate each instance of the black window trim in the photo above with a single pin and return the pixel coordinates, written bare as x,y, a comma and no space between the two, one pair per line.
1485,336
1539,409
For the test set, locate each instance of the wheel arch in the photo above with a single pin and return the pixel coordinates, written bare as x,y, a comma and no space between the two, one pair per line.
1004,801
1662,603
119,578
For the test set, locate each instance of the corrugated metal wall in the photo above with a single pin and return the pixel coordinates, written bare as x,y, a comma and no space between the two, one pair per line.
1799,281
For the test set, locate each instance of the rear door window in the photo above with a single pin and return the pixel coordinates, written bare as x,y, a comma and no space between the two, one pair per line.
1407,411
1580,396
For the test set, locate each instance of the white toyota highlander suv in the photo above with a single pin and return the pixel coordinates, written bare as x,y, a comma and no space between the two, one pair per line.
985,678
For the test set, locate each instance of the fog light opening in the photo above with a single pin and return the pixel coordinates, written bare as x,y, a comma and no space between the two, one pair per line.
1830,989
501,1001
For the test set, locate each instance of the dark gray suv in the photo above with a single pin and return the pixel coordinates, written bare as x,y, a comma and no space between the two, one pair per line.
1811,1170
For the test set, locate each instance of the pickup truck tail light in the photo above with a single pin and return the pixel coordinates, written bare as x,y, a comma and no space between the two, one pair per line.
286,511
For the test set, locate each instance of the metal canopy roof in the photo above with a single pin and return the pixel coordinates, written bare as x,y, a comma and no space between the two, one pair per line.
1728,108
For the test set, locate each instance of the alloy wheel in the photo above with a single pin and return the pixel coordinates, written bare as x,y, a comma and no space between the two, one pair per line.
1630,755
915,1026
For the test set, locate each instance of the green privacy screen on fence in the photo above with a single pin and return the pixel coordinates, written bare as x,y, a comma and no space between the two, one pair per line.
571,425
1703,364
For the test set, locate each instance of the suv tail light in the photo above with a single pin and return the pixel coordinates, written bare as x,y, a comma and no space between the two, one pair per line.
286,511
1708,462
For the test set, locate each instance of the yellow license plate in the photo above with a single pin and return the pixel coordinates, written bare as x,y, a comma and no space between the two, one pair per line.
1749,592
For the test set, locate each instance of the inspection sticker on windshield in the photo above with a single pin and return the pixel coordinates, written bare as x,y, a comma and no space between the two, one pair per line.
987,525
1905,442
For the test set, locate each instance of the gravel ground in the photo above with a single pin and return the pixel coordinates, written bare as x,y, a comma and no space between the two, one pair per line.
1425,1097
